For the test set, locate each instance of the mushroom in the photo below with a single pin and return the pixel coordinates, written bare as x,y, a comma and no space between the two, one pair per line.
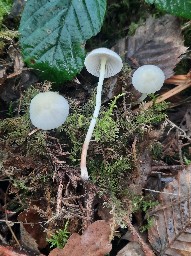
48,110
148,79
103,63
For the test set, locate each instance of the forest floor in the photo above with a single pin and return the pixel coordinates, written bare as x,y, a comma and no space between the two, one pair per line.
137,200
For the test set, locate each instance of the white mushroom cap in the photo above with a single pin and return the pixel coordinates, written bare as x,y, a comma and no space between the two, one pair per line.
148,79
48,110
93,61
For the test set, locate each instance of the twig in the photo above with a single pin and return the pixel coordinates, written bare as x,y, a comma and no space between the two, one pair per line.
166,167
6,219
145,247
178,128
90,191
59,198
167,95
183,82
160,192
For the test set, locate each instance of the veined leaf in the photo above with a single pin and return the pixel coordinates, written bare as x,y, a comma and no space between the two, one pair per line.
53,34
176,7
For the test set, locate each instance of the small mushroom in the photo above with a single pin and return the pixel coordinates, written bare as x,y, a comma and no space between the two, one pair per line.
148,79
103,63
48,110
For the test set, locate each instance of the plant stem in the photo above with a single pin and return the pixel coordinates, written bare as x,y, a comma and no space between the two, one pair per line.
84,172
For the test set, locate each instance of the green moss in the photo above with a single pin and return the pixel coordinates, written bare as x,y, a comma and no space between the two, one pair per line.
16,130
109,174
107,129
156,149
5,7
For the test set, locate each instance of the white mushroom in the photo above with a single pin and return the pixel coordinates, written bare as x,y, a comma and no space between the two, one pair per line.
148,79
103,63
48,110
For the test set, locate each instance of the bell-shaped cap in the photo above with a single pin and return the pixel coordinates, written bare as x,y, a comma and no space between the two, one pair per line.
148,79
113,66
48,110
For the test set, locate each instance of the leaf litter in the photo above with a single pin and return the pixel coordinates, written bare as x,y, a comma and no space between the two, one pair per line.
170,233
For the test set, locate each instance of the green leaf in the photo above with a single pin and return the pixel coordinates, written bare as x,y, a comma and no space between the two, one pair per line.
54,32
176,7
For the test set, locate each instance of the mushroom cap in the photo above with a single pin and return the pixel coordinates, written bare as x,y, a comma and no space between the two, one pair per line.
48,110
113,65
148,79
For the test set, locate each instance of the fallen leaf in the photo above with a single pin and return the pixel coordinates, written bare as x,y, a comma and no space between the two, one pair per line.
33,234
170,233
93,242
159,42
9,251
131,249
17,59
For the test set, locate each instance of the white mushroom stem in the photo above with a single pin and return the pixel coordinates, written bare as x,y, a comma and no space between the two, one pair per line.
143,97
84,172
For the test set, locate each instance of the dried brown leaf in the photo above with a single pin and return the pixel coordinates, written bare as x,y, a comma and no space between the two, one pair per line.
9,251
33,234
93,242
159,42
131,249
171,231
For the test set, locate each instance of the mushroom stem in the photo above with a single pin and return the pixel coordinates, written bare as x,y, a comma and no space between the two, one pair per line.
143,97
84,172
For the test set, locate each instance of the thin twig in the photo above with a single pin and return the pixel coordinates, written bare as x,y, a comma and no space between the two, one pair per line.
145,247
6,218
178,128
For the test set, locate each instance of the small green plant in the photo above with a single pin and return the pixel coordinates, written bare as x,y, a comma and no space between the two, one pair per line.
20,184
60,238
140,202
143,204
148,225
186,160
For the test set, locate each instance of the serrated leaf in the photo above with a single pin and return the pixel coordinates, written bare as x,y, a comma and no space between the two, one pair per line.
176,7
53,34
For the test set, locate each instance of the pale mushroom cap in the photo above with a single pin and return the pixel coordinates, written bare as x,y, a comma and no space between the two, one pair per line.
48,110
113,66
148,79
